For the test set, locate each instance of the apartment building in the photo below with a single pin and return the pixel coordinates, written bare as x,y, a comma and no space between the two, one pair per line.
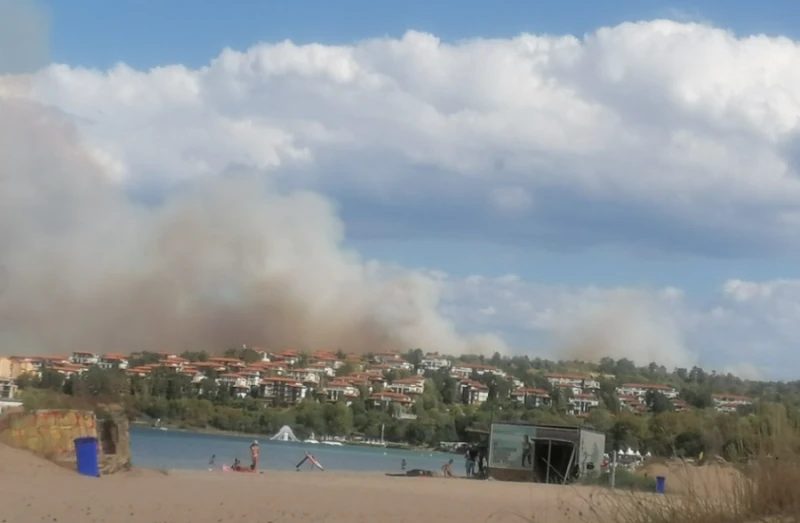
473,392
283,389
557,379
307,377
112,361
384,358
323,368
640,390
384,398
12,367
238,384
407,386
434,362
730,402
289,357
231,364
632,403
69,369
531,397
580,382
84,358
272,368
340,389
466,370
252,376
8,389
582,404
327,359
572,390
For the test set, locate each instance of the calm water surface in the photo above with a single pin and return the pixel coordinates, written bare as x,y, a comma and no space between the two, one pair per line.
153,448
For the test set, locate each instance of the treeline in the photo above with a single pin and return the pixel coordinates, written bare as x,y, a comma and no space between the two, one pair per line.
696,384
440,416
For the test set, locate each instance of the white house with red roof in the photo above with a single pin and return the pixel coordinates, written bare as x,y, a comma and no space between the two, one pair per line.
473,392
305,376
340,389
384,398
730,402
112,361
84,358
582,403
531,397
283,389
639,390
407,386
434,362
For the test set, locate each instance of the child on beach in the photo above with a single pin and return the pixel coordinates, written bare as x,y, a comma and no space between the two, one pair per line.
447,470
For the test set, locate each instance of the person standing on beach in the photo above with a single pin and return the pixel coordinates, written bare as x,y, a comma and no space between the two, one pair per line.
471,457
254,455
527,450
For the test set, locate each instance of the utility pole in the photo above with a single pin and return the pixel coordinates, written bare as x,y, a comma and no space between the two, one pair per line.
613,469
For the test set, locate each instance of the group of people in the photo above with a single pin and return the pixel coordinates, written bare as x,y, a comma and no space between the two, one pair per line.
255,453
475,462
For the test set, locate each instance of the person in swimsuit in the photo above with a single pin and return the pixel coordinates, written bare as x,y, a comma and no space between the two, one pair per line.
254,455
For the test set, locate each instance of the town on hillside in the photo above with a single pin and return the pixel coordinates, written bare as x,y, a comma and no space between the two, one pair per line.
381,379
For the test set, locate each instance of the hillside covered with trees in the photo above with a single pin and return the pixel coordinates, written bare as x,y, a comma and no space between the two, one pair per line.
438,414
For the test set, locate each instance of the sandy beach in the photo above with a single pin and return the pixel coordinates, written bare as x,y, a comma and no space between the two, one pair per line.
41,491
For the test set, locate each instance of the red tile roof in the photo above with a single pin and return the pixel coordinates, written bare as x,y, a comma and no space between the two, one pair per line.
530,392
390,396
647,386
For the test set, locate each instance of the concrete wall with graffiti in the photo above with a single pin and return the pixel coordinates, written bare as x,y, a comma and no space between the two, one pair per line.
49,433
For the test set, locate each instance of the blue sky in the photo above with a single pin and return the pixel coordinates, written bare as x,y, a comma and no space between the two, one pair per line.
607,153
144,34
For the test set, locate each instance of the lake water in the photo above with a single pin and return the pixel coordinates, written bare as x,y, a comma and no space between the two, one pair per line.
153,448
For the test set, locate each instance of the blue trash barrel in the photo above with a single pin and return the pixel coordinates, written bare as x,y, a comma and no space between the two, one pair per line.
86,452
661,483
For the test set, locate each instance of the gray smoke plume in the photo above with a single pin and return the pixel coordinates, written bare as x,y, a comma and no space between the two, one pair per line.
222,263
626,325
84,267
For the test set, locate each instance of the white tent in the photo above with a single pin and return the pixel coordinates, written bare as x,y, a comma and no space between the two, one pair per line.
630,452
285,434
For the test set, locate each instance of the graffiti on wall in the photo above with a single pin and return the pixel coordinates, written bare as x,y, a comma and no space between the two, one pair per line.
49,433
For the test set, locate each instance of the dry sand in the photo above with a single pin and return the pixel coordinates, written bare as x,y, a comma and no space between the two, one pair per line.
41,491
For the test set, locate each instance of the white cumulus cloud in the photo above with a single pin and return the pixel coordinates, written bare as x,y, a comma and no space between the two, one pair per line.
686,126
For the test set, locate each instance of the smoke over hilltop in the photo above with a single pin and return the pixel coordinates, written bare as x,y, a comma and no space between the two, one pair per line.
228,262
628,325
220,264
